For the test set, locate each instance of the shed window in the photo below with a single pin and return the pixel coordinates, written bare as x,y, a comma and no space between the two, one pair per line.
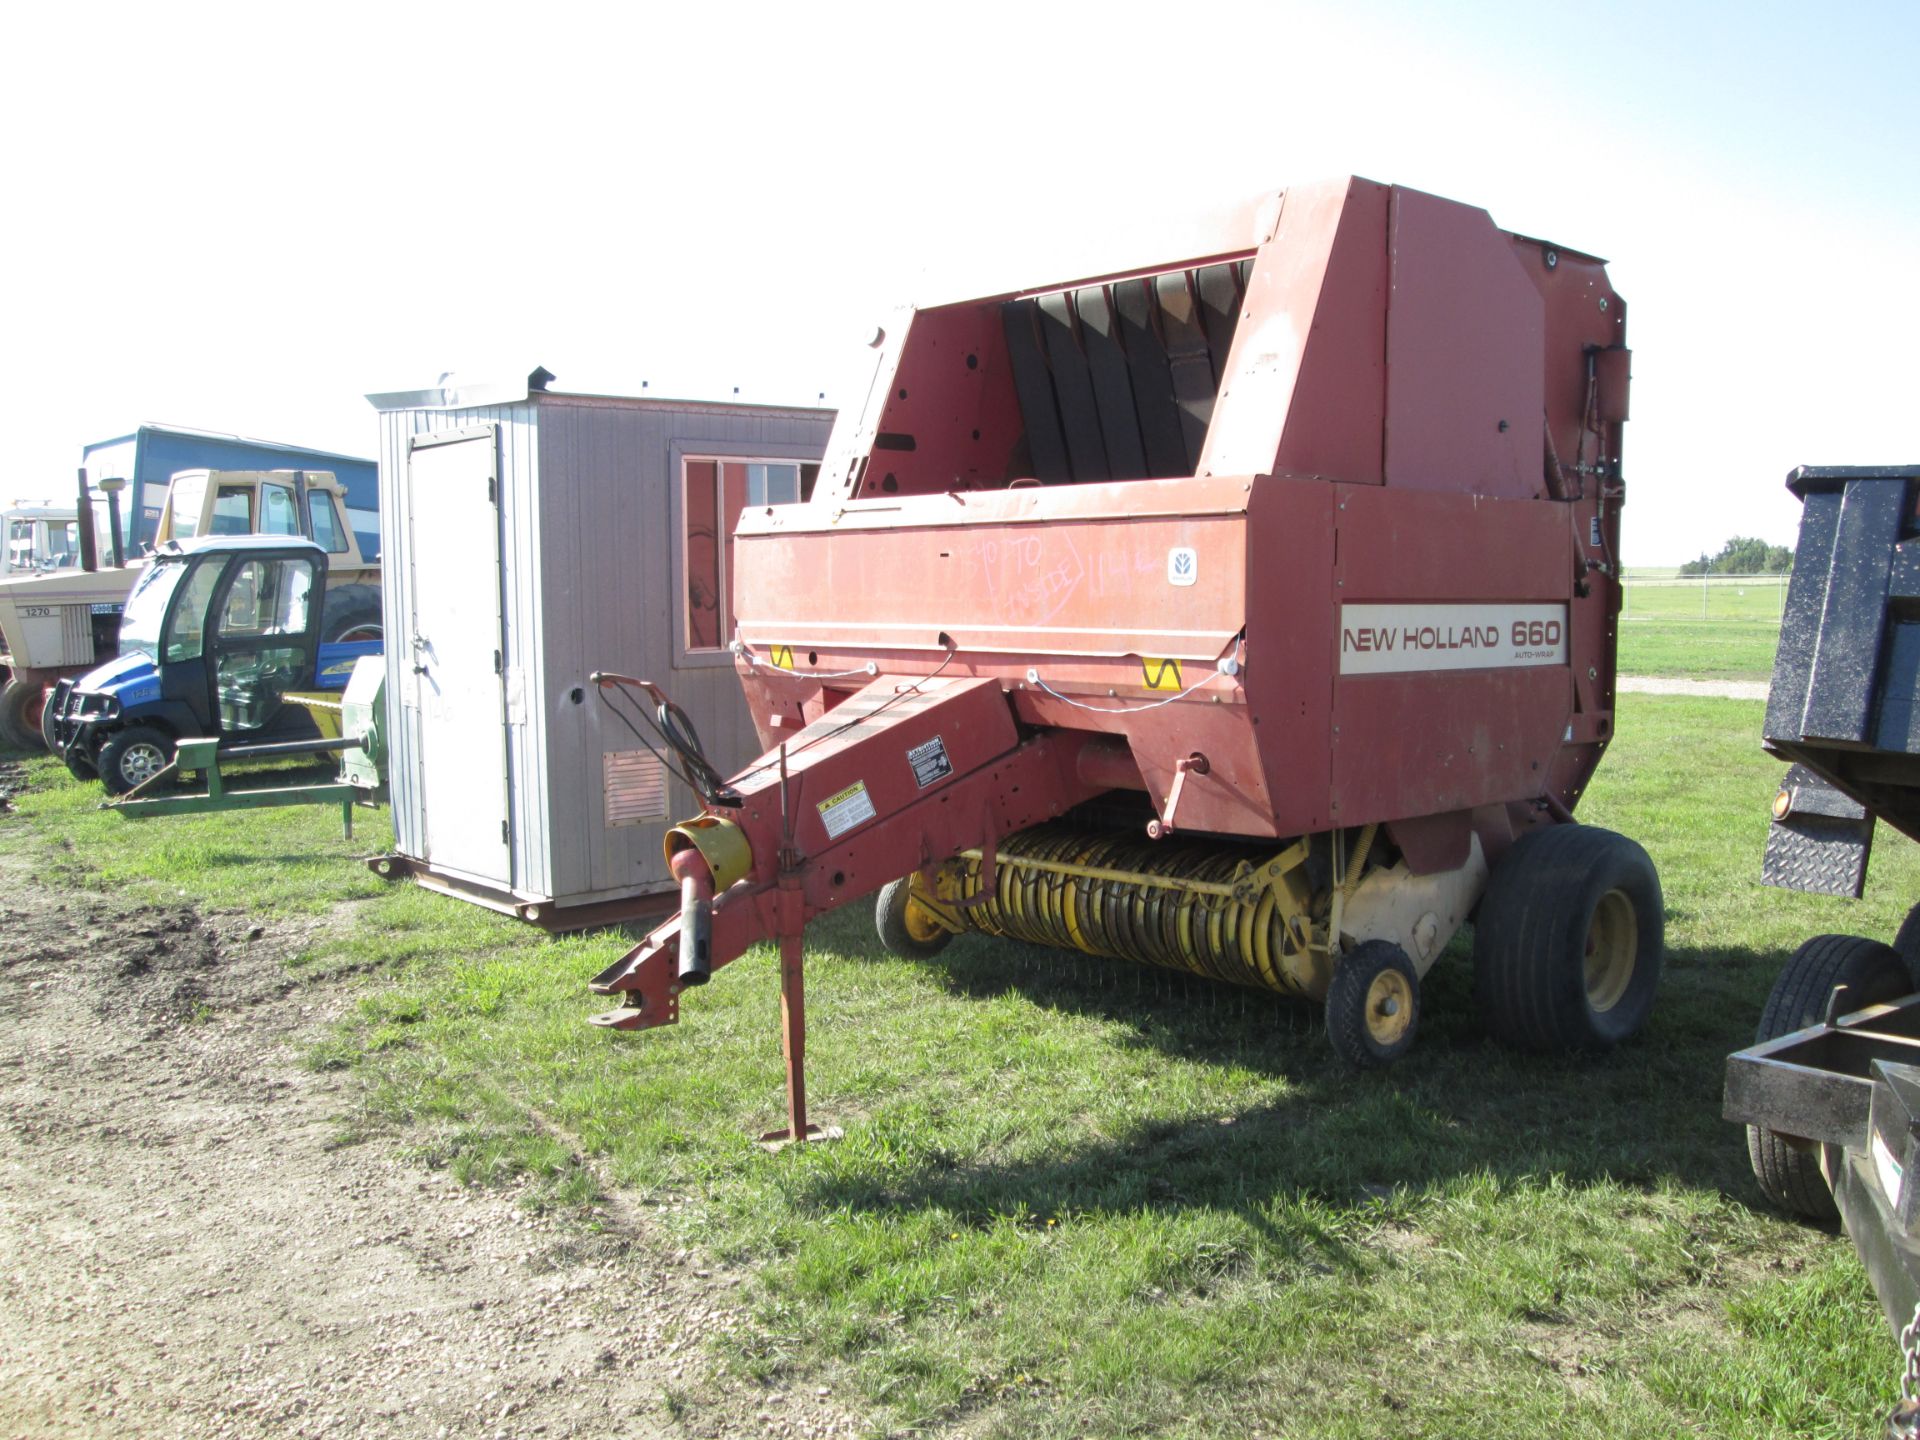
713,493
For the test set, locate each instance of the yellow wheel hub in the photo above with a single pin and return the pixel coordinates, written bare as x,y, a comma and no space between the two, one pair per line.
921,924
1389,1007
1613,940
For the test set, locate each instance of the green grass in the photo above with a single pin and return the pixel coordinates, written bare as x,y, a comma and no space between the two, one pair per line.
1082,1198
1663,631
1698,650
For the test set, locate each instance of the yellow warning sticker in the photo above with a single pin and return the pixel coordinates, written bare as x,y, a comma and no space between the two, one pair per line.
1160,674
851,807
783,656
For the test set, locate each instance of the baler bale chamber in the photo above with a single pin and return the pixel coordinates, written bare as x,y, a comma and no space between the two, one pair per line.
1252,613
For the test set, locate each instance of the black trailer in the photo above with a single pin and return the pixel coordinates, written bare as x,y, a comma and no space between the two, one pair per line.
1830,1091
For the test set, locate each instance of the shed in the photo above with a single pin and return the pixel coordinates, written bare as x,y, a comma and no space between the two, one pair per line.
531,538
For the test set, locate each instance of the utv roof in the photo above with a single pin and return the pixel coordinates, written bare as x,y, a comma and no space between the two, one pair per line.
203,544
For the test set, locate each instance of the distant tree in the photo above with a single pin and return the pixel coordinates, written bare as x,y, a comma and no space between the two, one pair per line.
1743,555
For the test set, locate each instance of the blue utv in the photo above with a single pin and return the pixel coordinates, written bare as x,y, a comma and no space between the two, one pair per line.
219,634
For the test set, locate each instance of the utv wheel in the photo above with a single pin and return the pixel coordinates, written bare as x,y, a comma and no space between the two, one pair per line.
81,768
350,615
1373,1005
1828,976
133,755
1568,941
20,714
907,927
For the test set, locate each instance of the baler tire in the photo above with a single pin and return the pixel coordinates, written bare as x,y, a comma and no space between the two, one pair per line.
1907,943
1829,975
1559,899
898,930
20,714
1373,1005
350,614
139,746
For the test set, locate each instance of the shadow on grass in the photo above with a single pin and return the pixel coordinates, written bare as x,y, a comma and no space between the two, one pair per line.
1459,1105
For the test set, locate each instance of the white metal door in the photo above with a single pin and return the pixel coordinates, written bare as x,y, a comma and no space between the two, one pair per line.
454,659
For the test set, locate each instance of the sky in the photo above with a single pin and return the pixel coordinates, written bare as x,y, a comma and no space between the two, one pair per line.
246,218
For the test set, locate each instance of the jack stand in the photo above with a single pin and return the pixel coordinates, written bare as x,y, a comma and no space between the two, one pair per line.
793,1024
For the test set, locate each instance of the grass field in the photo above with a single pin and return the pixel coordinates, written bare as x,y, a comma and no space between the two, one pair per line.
1080,1198
1667,630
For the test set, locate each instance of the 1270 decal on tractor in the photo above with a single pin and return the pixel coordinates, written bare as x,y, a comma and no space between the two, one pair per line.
219,636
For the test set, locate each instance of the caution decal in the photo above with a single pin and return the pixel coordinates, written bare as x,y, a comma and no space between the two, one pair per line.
1160,674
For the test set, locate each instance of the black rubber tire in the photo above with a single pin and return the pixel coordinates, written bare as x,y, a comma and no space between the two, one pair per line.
348,609
20,714
1830,975
81,768
124,751
1534,932
1907,943
890,919
1351,1000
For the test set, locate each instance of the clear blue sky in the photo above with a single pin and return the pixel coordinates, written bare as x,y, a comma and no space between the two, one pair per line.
245,217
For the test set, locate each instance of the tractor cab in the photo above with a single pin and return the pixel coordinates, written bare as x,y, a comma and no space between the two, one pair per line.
219,635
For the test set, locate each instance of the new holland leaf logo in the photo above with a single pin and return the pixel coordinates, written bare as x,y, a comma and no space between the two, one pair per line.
1183,563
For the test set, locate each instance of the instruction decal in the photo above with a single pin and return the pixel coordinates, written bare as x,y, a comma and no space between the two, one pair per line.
1395,639
851,807
783,657
1160,674
929,761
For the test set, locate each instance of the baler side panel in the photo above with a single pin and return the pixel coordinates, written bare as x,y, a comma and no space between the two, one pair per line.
1426,739
1305,384
1290,675
1466,334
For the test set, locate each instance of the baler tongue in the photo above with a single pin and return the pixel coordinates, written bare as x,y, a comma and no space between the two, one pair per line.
896,778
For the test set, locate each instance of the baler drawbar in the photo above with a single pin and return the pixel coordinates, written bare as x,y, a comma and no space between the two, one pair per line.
1252,614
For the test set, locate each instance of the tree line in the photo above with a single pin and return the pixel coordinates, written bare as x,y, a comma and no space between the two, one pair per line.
1743,555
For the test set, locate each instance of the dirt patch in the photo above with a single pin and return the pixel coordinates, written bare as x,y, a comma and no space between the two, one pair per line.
191,1251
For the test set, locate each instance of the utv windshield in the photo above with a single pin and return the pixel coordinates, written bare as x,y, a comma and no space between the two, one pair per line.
147,606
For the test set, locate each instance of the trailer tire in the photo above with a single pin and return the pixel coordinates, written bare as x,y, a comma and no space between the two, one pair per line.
130,756
904,928
1829,975
1568,941
1907,942
20,714
350,614
1373,1005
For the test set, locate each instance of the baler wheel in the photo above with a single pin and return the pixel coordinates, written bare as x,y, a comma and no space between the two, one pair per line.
1829,975
906,927
1373,1005
1568,942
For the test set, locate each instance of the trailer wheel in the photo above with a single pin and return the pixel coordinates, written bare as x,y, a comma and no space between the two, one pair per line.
350,614
20,714
133,755
1907,942
1568,941
1829,975
905,926
1373,1005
